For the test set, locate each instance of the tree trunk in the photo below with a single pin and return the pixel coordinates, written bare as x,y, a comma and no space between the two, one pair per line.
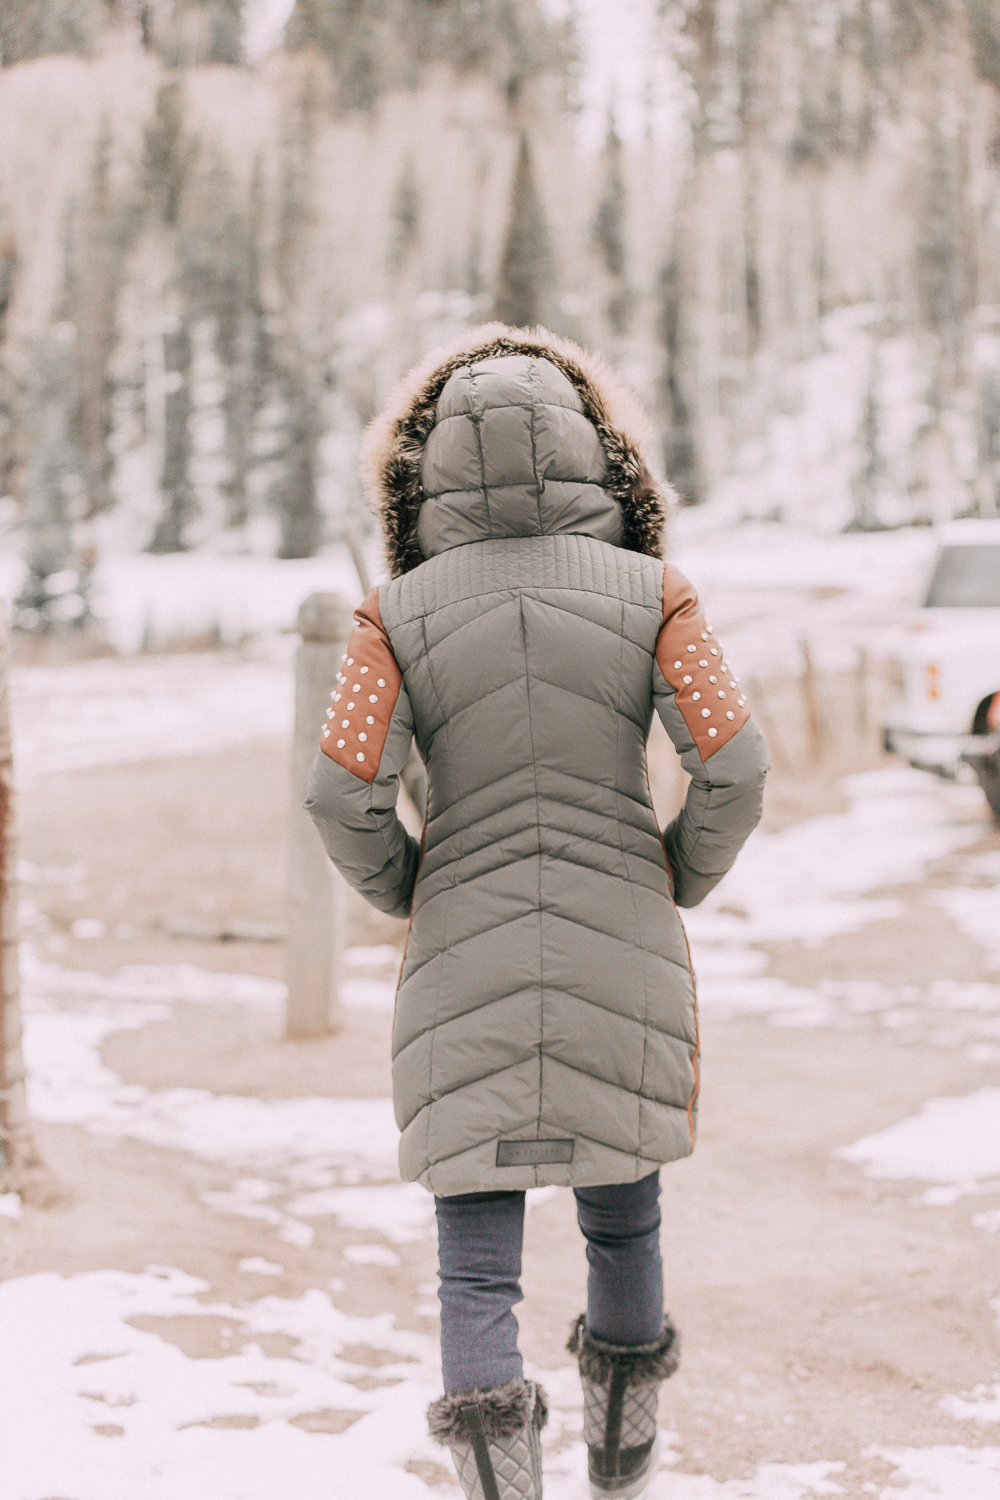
21,1168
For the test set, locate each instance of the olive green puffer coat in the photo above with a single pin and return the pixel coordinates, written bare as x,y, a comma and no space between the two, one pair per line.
545,1027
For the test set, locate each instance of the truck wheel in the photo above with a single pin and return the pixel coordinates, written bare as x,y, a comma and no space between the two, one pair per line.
986,720
987,768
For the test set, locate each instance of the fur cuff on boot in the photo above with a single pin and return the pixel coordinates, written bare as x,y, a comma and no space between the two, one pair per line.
505,1411
645,1363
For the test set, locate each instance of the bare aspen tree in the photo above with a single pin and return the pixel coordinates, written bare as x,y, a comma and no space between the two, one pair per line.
526,265
609,231
21,1168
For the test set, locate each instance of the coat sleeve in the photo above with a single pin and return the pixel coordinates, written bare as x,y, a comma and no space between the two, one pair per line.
355,777
704,711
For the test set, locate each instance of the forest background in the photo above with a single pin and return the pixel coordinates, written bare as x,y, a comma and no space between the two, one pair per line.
228,226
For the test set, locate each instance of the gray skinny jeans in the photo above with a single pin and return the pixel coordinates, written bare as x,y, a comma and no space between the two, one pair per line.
479,1242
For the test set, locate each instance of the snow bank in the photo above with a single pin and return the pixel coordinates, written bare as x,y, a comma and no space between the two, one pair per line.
105,712
949,1141
943,1473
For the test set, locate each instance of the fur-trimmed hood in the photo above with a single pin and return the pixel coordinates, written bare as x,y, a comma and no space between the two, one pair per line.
393,452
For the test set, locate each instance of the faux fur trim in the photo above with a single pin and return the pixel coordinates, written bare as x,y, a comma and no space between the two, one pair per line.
644,1362
505,1410
394,442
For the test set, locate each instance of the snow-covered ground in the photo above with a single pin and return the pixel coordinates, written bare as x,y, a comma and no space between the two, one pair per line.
251,1425
242,1424
130,1414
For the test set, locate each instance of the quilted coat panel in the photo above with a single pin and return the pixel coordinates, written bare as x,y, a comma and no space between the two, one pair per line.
546,994
545,951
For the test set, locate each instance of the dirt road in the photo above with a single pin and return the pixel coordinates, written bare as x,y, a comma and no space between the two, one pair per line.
840,1328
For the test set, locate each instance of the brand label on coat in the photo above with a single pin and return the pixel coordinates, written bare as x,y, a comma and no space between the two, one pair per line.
533,1153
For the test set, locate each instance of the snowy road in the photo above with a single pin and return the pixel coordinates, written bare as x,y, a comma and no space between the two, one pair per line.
133,1405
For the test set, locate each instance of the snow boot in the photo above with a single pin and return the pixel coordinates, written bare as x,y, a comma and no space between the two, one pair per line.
621,1384
494,1437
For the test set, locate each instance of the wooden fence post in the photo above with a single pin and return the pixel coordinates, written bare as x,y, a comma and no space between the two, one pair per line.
316,893
810,704
21,1168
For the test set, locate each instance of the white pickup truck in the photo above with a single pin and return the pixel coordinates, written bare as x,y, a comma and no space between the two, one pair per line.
948,720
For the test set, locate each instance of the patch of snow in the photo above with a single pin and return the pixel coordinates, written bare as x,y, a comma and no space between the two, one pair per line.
255,1265
942,1473
88,927
141,596
125,1411
806,883
990,1221
145,984
976,912
68,1084
954,1141
768,586
29,874
245,1199
368,994
10,1206
981,1405
307,1142
536,1196
813,881
782,1003
770,1482
371,1255
402,1212
104,712
381,956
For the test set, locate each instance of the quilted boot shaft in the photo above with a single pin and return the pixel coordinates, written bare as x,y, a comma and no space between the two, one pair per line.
494,1437
621,1386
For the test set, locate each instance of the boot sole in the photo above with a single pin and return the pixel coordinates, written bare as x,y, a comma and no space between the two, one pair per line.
632,1489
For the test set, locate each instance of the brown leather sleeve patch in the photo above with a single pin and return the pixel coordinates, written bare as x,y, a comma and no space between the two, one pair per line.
688,654
364,697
